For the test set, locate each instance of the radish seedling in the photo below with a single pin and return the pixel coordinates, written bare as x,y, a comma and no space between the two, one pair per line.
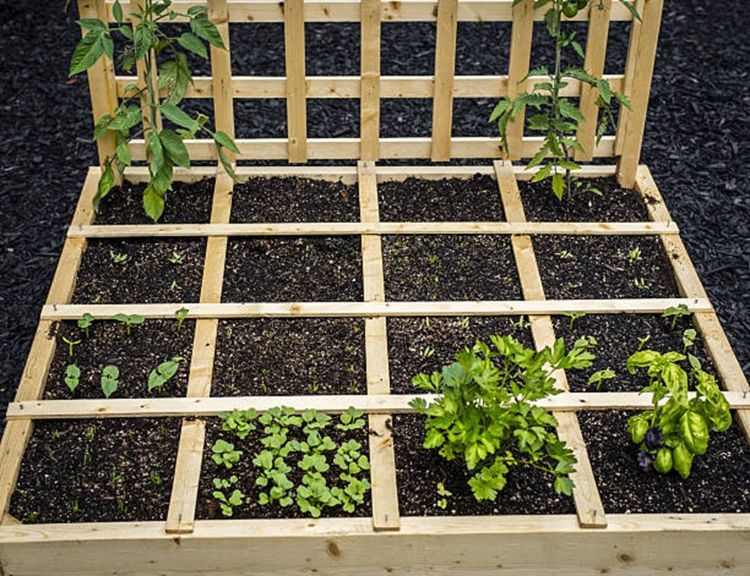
223,453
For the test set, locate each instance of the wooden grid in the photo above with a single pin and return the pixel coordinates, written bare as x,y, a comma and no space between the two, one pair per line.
378,403
370,87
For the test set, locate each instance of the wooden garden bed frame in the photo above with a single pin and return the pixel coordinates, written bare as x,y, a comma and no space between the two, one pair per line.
589,542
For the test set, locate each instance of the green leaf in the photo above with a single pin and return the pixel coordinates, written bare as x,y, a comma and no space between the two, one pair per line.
564,486
86,54
694,432
632,9
175,78
155,152
558,185
570,110
227,164
663,463
638,425
117,11
106,183
174,114
123,153
153,203
224,140
682,460
110,380
202,27
144,39
500,108
175,148
193,44
93,24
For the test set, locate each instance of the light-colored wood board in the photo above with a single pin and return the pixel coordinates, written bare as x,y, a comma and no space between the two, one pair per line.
64,280
36,370
385,510
12,447
370,80
296,104
518,70
445,68
631,61
509,193
202,358
370,403
221,71
386,173
181,514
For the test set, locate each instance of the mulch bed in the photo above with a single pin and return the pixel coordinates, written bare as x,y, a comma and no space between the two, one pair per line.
290,357
112,470
146,275
149,344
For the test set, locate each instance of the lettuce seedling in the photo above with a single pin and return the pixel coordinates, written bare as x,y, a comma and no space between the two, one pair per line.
164,372
129,320
239,422
110,380
228,503
485,414
351,419
181,315
677,429
72,377
85,322
224,453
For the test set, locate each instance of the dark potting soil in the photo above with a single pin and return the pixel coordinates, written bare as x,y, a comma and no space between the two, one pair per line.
109,470
418,345
450,267
293,269
290,357
447,200
617,339
719,480
149,344
418,471
247,472
599,267
294,200
616,204
186,203
145,276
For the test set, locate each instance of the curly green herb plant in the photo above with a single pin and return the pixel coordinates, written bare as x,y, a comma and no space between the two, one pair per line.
484,414
146,42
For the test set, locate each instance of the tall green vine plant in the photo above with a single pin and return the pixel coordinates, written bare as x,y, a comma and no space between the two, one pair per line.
556,116
145,43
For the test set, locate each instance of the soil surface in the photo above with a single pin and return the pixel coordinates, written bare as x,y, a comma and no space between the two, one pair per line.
719,480
615,204
293,269
149,344
294,200
418,471
450,267
418,345
290,357
575,267
186,203
148,271
111,470
247,472
446,200
617,339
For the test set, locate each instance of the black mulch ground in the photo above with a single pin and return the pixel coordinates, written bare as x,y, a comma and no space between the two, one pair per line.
604,267
294,200
148,345
719,480
140,271
290,357
447,200
97,471
293,269
418,472
697,136
427,344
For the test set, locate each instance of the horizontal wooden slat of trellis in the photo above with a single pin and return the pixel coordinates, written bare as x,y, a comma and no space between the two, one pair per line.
368,309
370,403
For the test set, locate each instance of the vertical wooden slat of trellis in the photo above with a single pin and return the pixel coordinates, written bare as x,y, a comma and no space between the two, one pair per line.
385,513
370,81
221,71
708,324
643,70
586,495
629,75
101,81
596,54
182,504
518,69
296,89
140,66
445,68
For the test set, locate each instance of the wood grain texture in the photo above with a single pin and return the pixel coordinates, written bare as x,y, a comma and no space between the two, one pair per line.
296,104
369,81
445,68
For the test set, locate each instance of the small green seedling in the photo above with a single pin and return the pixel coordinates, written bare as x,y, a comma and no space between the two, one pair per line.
464,322
71,345
675,313
433,259
174,286
155,478
572,317
223,453
640,283
129,320
164,372
72,377
239,422
520,324
427,352
597,378
643,341
443,493
351,420
564,255
634,255
181,315
118,257
110,380
227,503
85,322
688,338
176,258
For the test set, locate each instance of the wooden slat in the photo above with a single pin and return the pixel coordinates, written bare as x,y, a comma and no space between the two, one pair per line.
596,55
627,84
141,69
296,105
445,67
370,81
586,494
12,446
221,70
385,511
181,515
520,58
643,70
372,404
